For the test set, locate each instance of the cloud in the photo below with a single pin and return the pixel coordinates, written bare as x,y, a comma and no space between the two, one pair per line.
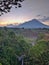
45,18
42,18
38,15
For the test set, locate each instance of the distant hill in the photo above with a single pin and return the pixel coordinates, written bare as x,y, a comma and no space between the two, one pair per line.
11,26
32,24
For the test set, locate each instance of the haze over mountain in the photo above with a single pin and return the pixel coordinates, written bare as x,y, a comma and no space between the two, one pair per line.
34,23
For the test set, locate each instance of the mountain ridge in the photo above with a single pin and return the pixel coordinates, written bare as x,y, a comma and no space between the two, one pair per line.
34,23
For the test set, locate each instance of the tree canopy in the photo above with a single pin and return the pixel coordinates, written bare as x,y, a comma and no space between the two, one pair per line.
6,5
14,49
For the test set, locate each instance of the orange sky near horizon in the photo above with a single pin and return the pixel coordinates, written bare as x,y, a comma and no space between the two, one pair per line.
46,23
14,22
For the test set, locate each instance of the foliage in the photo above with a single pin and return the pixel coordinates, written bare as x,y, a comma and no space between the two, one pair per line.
38,53
6,5
13,46
0,64
45,57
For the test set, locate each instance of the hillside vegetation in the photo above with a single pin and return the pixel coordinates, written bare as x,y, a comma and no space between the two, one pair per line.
13,46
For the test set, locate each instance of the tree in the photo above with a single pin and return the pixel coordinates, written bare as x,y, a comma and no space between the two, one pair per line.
6,5
14,49
44,58
21,58
0,64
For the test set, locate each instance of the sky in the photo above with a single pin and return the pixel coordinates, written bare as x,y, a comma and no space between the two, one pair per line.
31,9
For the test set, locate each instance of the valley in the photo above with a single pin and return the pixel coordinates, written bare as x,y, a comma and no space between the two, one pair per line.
31,35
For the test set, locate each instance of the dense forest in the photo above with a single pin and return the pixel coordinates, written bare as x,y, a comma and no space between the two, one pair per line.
14,49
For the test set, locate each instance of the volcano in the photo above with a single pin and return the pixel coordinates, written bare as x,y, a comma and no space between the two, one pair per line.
34,23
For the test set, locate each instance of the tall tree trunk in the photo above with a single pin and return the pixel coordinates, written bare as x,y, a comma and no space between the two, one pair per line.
22,62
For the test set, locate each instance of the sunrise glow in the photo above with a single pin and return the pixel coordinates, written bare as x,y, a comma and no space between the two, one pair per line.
30,10
46,23
13,20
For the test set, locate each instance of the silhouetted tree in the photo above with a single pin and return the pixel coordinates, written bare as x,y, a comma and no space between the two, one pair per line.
6,5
